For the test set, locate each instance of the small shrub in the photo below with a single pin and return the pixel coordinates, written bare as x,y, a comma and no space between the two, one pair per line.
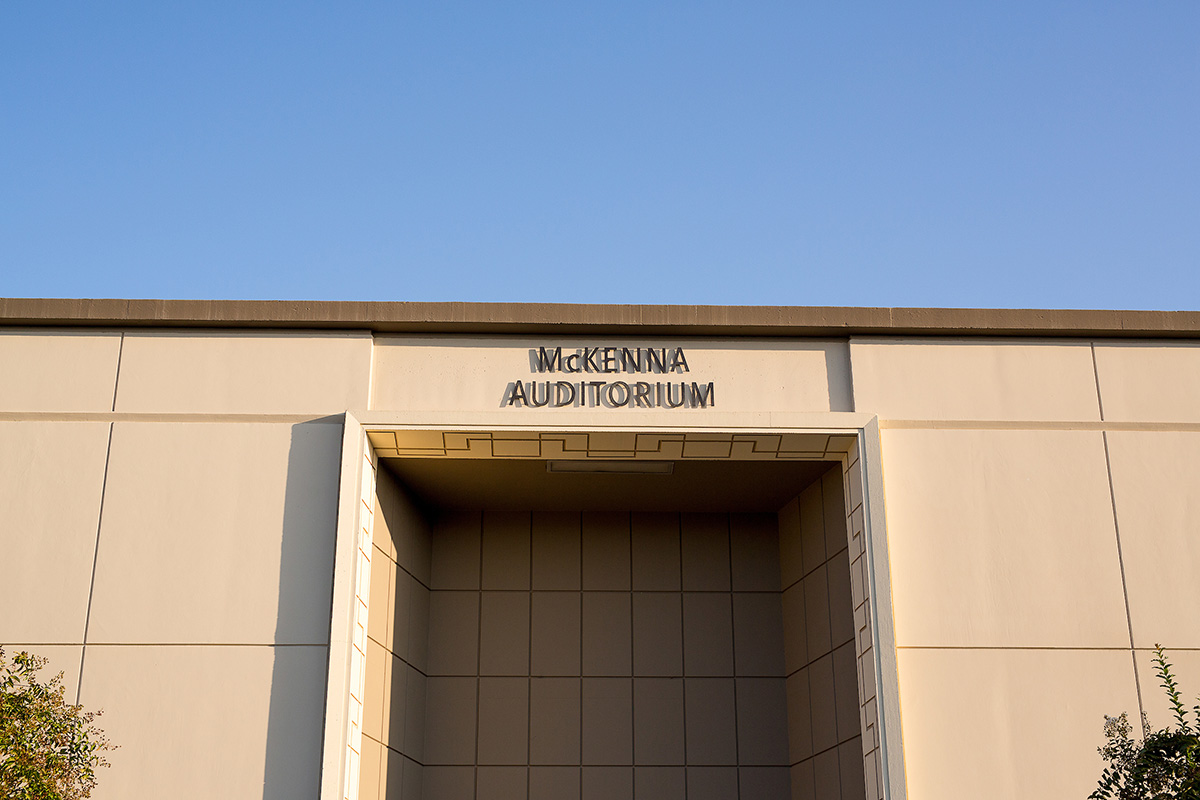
49,750
1165,765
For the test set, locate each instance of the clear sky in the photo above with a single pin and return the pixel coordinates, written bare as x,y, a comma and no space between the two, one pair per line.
1004,154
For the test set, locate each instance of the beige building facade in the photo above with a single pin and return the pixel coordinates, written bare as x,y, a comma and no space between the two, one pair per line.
494,551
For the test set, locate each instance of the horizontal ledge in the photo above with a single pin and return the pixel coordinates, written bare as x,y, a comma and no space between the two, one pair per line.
134,416
582,319
1072,648
1033,425
190,644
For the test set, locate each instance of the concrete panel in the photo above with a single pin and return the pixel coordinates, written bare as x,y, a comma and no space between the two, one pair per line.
850,764
451,706
791,557
244,373
58,370
711,721
370,771
762,725
217,533
505,550
554,783
707,634
803,782
754,552
799,717
758,642
704,544
501,783
1149,381
714,783
383,600
661,783
555,708
607,783
1040,709
403,777
447,783
417,373
456,551
1155,482
822,703
503,721
62,658
253,712
605,550
556,550
768,783
377,693
795,637
812,528
827,774
454,633
607,721
504,633
401,529
394,712
658,721
657,634
51,478
555,634
1002,538
656,557
983,379
607,634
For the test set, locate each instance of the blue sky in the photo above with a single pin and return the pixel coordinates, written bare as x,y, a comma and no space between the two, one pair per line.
925,154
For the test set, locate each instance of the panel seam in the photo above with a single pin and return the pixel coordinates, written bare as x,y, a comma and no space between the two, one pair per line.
87,620
117,377
1112,496
1124,585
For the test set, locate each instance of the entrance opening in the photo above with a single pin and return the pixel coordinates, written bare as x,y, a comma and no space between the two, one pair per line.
683,633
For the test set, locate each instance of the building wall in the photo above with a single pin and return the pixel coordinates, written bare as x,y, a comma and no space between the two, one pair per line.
169,503
1040,499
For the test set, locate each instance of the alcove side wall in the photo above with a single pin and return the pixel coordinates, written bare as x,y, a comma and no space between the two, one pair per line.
826,710
397,647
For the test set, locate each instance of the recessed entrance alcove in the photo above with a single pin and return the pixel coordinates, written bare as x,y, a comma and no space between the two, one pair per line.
684,630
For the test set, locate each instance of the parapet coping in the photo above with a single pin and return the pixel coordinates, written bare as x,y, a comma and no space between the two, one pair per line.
596,319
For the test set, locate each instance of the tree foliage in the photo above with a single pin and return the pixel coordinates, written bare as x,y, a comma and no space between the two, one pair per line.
1165,765
49,750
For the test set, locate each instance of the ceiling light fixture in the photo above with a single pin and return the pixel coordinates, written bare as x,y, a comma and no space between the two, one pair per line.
612,467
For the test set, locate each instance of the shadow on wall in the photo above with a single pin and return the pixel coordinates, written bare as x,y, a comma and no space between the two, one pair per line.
298,676
837,371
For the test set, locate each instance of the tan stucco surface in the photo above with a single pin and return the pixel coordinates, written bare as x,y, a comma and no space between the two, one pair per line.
1008,723
1002,539
208,721
1143,382
244,372
63,370
227,525
932,379
1156,481
51,476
